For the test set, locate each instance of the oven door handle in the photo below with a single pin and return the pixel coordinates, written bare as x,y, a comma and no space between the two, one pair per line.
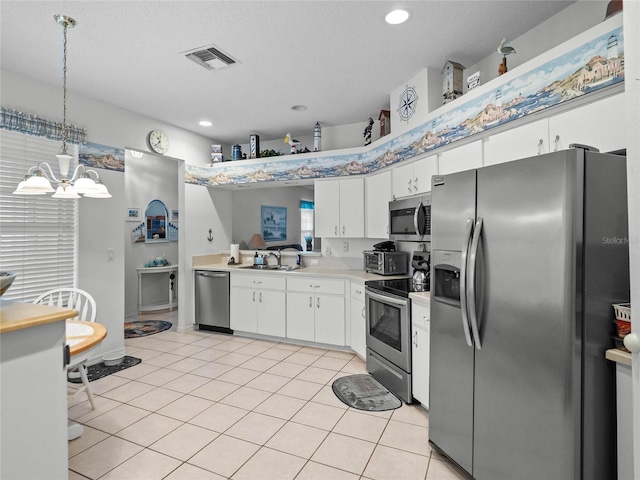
463,281
386,299
416,214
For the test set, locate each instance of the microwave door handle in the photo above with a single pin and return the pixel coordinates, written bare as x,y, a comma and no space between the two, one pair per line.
416,213
463,281
473,314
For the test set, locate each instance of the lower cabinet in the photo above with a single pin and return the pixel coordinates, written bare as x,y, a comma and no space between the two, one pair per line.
420,338
358,320
316,310
258,304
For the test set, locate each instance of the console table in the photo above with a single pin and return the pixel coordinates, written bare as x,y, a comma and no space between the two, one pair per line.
157,288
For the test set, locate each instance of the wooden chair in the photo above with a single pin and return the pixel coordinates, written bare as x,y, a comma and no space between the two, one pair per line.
85,305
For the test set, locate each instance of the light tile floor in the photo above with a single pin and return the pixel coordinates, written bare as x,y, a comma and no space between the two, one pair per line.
203,405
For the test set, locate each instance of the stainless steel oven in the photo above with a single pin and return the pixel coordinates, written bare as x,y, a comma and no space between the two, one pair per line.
410,218
389,336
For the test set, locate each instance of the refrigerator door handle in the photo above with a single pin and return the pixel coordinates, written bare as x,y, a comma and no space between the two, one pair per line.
471,300
463,281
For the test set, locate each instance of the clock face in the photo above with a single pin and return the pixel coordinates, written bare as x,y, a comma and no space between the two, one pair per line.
408,103
158,141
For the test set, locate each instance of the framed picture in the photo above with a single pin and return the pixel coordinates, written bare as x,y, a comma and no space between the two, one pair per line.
273,223
174,216
133,214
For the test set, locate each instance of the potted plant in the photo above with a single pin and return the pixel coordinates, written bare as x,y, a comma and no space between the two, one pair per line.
308,239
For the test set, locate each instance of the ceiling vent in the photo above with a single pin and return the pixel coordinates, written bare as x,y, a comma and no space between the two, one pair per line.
210,58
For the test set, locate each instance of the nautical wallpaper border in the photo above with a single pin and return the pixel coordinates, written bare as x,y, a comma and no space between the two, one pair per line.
590,67
596,64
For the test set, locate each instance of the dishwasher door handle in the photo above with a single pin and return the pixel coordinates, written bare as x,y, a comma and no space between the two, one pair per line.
212,274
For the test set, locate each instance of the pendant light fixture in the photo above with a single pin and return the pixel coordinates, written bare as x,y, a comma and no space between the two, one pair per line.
40,177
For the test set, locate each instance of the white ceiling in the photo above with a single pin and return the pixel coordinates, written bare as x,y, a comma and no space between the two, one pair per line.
339,58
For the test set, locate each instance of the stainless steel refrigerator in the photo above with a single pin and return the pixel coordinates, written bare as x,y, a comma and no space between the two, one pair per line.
527,258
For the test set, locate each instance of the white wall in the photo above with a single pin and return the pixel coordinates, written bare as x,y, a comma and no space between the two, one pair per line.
246,211
566,24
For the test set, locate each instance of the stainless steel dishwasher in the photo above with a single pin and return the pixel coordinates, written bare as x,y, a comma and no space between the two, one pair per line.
212,301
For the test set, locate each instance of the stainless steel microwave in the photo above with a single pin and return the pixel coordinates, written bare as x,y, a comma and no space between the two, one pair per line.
410,218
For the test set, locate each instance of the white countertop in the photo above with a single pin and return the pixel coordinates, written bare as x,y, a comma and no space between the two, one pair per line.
421,298
313,270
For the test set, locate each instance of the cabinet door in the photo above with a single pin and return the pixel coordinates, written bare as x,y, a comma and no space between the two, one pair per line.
242,303
461,158
403,181
351,208
300,316
423,170
599,124
271,313
327,208
420,338
329,319
378,195
519,142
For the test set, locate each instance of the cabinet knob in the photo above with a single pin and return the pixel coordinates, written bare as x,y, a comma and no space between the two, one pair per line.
540,144
260,297
342,229
318,302
556,143
253,297
310,302
335,230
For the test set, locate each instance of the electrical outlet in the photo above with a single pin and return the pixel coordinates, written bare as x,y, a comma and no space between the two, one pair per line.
111,253
345,246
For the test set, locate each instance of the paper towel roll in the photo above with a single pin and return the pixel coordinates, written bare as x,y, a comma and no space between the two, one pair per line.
235,252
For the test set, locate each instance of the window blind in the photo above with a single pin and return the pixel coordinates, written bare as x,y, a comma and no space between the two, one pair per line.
38,233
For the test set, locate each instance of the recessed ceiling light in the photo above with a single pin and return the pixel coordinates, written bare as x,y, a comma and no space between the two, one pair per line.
397,16
205,123
299,108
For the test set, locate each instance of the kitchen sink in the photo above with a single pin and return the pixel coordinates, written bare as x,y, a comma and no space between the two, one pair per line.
285,268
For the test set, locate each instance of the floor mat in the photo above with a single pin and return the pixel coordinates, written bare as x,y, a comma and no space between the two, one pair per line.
364,393
142,328
100,370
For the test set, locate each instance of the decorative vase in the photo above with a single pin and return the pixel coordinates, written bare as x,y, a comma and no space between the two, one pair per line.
309,247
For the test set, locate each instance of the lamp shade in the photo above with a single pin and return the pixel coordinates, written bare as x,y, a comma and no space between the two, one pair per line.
85,185
36,184
62,192
100,192
257,241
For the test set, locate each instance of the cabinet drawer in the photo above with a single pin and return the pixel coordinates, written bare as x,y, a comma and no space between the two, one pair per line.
420,316
258,281
316,285
357,290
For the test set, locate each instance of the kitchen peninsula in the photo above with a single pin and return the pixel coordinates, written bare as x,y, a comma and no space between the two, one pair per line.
34,400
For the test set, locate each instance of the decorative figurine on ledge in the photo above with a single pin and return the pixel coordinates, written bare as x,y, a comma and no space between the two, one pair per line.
317,135
367,132
504,50
292,142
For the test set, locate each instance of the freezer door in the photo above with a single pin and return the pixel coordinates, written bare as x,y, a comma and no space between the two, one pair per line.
527,374
451,353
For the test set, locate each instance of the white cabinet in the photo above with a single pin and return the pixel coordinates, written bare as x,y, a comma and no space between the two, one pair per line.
339,208
414,178
464,157
599,124
157,288
358,320
420,338
258,304
521,142
378,195
316,310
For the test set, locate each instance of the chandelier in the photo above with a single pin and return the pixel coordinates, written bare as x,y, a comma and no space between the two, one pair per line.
40,177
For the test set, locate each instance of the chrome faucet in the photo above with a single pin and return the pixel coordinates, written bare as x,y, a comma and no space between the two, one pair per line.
278,256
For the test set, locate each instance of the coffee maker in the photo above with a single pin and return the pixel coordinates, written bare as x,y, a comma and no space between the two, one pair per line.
421,264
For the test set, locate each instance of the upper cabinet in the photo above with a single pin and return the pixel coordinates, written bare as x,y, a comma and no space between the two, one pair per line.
599,124
378,196
414,178
339,208
525,141
464,157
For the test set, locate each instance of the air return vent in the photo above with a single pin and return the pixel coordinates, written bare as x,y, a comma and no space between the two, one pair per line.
210,58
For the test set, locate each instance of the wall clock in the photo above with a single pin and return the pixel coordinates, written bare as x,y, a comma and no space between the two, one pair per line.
408,103
158,141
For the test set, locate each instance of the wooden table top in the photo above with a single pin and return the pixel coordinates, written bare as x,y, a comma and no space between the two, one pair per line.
19,315
82,336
